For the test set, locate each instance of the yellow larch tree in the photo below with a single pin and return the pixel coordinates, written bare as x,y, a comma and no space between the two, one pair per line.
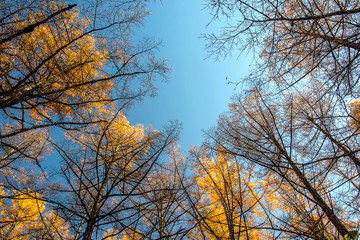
232,201
64,58
56,63
65,64
24,217
73,67
105,169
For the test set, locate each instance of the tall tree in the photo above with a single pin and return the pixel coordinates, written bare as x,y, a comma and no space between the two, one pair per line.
300,142
105,170
163,208
233,203
296,39
25,217
59,60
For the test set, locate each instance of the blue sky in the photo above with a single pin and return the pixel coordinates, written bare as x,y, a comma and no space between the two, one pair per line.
197,90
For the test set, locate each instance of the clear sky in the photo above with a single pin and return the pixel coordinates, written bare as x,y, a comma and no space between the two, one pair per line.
197,90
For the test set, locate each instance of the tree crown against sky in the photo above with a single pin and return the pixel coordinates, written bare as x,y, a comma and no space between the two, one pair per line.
61,63
70,61
296,40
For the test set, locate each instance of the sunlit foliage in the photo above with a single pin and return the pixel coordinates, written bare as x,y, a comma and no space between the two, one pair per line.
25,217
233,201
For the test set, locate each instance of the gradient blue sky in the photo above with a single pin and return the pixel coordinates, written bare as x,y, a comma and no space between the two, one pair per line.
197,90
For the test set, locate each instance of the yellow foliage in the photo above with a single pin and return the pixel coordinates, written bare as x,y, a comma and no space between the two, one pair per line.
53,226
25,218
116,131
113,140
77,59
20,215
355,114
121,131
229,197
27,207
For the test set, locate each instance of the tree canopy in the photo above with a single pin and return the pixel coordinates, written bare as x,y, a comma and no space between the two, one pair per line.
282,163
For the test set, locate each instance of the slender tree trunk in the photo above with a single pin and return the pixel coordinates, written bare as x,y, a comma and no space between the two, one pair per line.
340,227
96,207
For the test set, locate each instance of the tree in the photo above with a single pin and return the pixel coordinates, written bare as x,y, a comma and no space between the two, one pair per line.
298,140
232,202
59,61
296,39
105,169
163,207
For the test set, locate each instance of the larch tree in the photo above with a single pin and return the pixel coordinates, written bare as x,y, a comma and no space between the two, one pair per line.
105,168
163,207
229,200
58,61
296,39
298,142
